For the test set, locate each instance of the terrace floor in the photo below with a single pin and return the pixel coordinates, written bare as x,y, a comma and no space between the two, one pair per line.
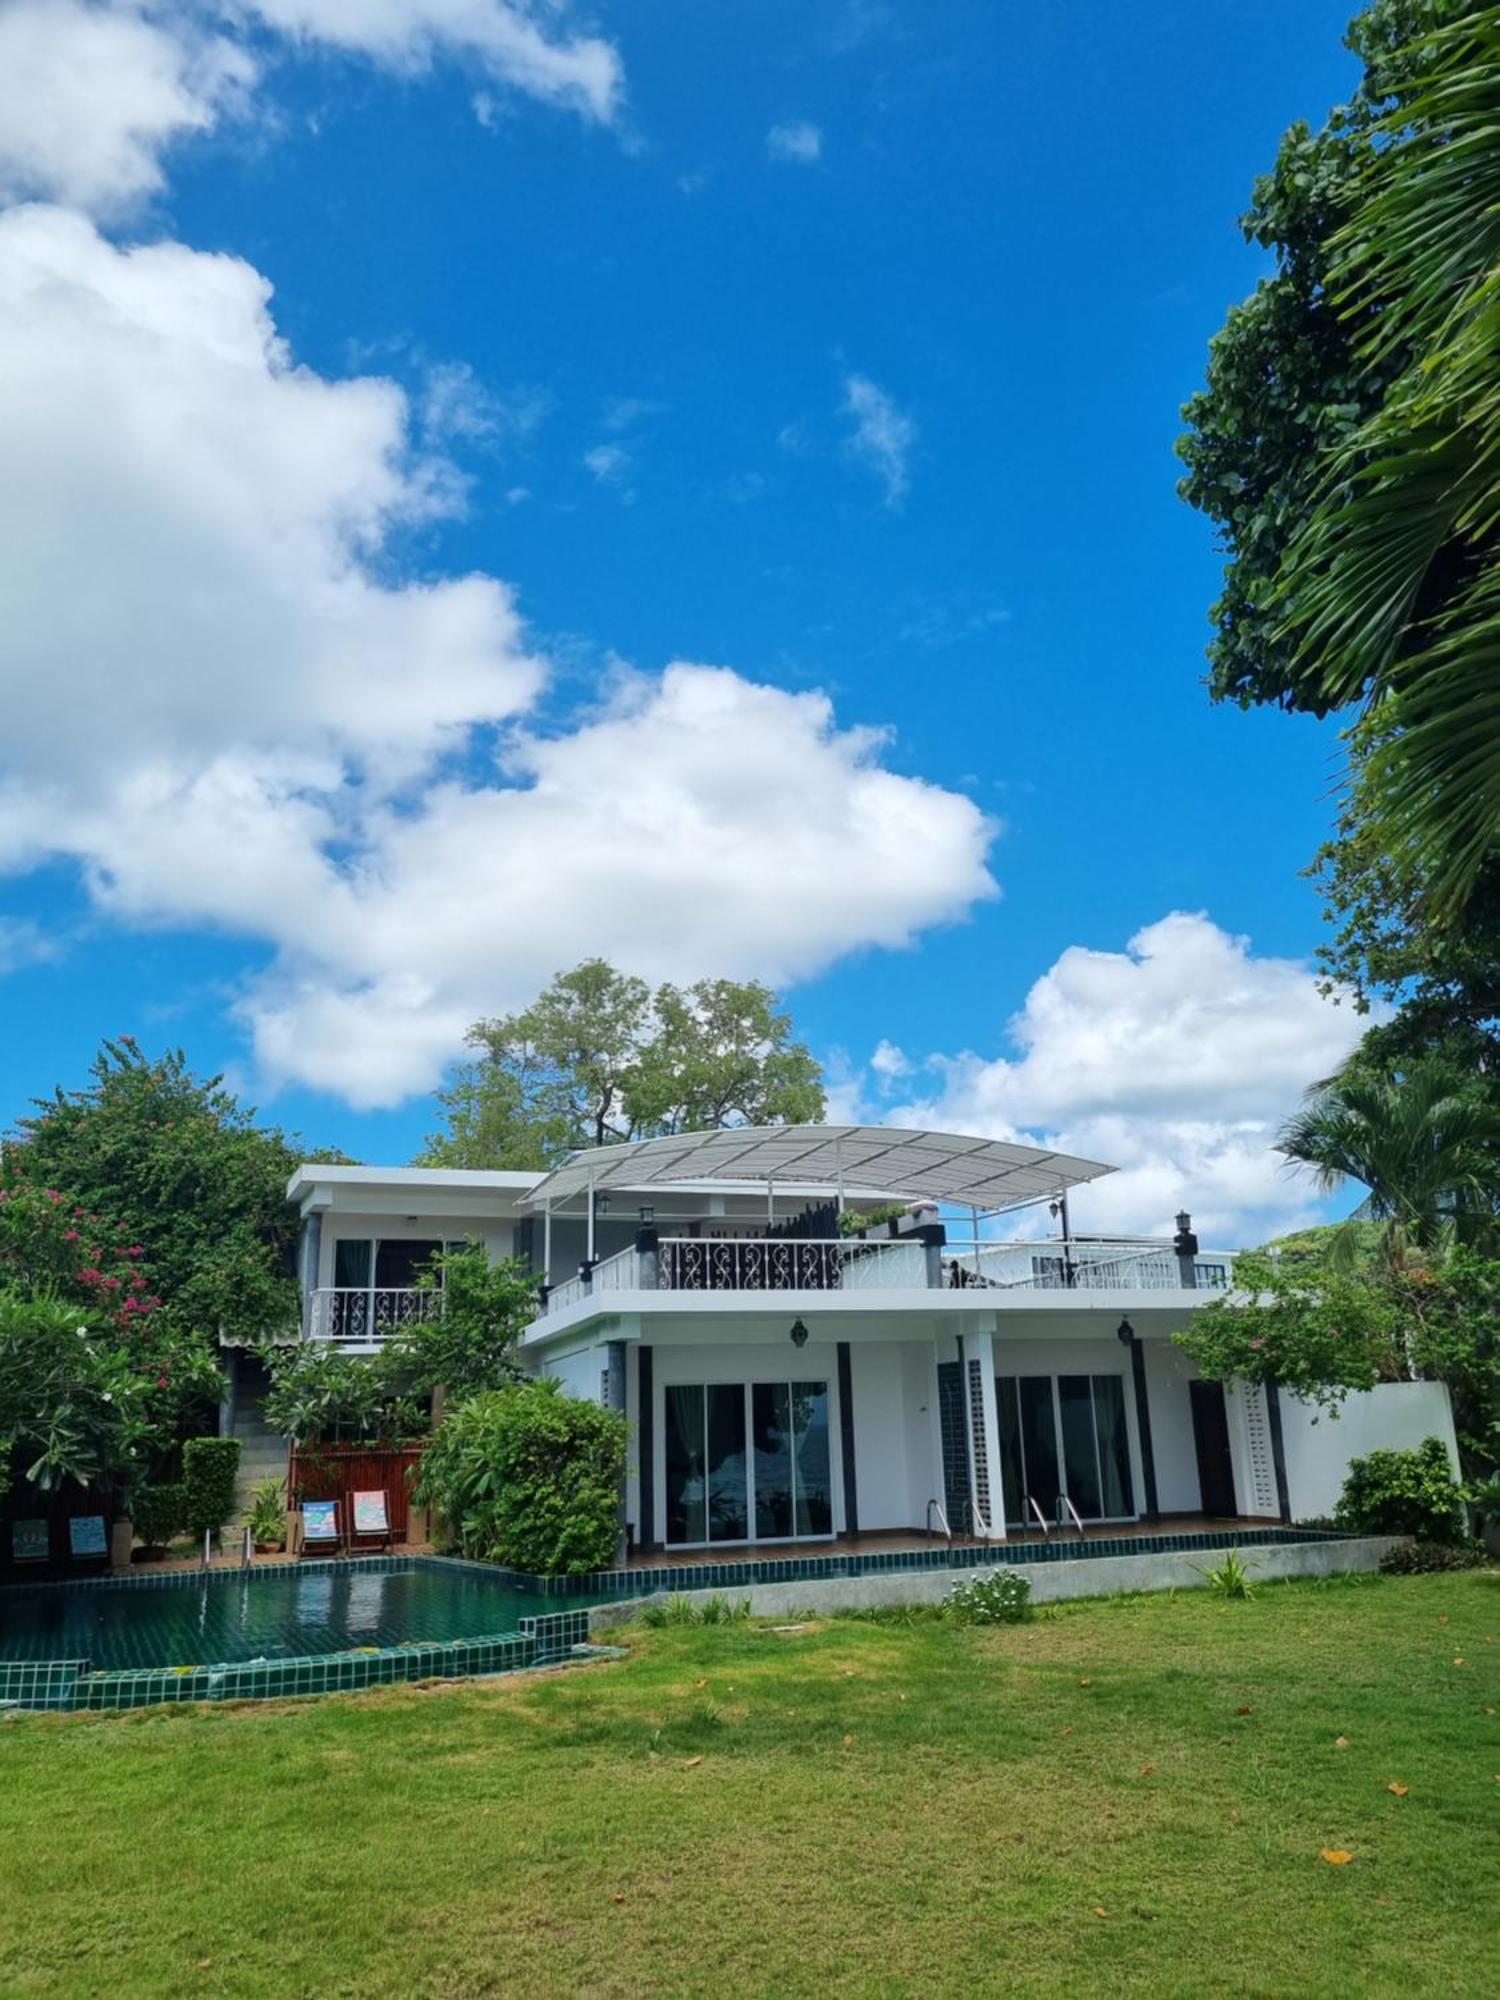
902,1541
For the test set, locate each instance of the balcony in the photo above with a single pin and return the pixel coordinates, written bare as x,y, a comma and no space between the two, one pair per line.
361,1316
928,1261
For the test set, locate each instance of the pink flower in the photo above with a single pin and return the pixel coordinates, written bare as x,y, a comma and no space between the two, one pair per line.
70,1236
133,1250
1257,1342
110,1284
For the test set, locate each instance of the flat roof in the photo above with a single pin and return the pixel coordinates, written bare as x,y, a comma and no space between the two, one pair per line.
912,1165
452,1180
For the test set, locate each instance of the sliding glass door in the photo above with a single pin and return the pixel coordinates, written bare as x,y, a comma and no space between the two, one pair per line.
715,1488
1064,1438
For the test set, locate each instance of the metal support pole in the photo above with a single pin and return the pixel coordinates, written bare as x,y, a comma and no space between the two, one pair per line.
590,1251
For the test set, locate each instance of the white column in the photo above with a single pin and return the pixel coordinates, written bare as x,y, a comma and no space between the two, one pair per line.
984,1424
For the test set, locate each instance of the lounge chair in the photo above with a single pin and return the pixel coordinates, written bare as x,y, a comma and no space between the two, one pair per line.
29,1541
321,1534
87,1540
370,1519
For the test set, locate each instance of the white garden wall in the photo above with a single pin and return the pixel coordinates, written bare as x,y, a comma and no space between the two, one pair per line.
1394,1416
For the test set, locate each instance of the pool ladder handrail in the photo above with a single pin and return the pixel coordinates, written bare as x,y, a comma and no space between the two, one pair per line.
1041,1518
1064,1500
936,1507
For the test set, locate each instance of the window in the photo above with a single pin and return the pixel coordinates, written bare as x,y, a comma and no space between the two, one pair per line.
738,1452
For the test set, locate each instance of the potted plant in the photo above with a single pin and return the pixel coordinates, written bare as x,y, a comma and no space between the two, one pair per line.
265,1517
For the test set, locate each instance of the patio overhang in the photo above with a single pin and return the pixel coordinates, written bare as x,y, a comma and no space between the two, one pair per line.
883,1161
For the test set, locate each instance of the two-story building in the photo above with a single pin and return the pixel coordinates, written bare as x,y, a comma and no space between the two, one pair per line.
823,1331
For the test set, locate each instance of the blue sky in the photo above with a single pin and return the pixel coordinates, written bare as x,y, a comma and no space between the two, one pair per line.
839,346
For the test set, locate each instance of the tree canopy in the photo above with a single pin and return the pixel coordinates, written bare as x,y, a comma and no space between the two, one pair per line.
1345,447
599,1057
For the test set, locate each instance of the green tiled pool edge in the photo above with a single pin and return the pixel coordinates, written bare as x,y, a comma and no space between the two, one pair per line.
63,1685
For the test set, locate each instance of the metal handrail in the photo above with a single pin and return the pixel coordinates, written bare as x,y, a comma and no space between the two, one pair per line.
1040,1516
1065,1500
936,1507
980,1526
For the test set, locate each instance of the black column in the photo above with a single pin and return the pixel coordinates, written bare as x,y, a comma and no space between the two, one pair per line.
846,1438
1143,1428
645,1527
1278,1453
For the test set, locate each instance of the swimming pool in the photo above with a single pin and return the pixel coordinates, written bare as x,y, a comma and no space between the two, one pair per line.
258,1614
275,1629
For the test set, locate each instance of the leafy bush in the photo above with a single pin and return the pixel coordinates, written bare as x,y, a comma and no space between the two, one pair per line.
1403,1493
1001,1598
680,1610
71,1404
469,1345
321,1396
158,1513
1485,1498
528,1477
1419,1558
209,1467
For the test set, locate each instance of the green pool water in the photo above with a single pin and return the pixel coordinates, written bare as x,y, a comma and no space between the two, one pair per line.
270,1614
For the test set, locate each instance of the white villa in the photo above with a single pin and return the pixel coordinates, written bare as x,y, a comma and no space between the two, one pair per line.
794,1370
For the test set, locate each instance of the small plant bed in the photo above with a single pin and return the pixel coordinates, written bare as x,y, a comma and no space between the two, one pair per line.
1147,1794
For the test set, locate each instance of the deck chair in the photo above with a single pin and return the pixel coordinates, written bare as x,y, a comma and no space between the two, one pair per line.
87,1541
370,1519
321,1534
29,1541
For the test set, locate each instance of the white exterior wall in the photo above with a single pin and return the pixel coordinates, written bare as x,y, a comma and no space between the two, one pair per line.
1393,1416
498,1237
895,1469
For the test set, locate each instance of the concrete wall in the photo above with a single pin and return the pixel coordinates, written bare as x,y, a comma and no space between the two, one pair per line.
1394,1416
1051,1582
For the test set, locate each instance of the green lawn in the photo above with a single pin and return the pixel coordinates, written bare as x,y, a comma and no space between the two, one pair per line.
1121,1796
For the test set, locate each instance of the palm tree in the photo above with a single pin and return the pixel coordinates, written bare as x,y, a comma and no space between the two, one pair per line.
1426,1146
1390,589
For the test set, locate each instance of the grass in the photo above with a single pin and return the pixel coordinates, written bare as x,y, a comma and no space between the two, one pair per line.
1127,1795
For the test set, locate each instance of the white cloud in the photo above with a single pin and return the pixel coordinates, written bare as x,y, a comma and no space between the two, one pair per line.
23,942
1175,1060
94,92
797,144
883,436
610,464
91,95
223,702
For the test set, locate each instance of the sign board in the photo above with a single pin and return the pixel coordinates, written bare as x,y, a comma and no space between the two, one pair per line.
86,1535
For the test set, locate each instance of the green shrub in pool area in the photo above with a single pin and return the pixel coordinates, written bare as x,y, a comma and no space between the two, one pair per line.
528,1477
209,1468
1418,1558
1001,1598
1404,1493
680,1610
158,1513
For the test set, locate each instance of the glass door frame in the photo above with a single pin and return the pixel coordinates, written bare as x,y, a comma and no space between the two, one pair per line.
1054,1377
747,1385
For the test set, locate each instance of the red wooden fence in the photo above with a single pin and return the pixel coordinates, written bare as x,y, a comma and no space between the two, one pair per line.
335,1471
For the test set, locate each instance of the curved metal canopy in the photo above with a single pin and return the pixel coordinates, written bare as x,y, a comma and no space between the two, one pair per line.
877,1159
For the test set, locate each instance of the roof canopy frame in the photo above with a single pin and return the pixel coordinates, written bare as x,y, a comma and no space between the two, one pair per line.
995,1175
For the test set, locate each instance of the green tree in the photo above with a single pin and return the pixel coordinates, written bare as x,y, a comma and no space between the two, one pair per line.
171,1162
722,1054
71,1406
1346,442
1425,1145
469,1344
598,1057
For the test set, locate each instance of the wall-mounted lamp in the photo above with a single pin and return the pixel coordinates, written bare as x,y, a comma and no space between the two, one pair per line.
1125,1332
799,1334
601,1206
648,1213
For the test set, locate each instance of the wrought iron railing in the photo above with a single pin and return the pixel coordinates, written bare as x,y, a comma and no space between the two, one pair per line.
357,1315
788,1264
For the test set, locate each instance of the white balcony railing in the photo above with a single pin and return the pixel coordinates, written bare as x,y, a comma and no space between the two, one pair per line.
359,1316
844,1264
